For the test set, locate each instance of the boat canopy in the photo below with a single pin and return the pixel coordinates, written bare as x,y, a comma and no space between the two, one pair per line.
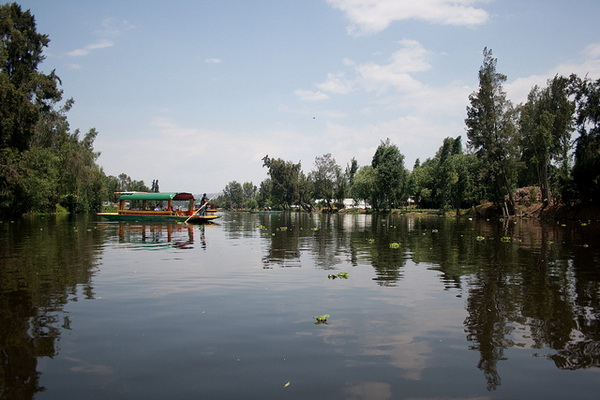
155,196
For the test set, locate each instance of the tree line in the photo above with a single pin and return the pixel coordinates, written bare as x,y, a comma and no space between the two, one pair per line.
45,165
508,147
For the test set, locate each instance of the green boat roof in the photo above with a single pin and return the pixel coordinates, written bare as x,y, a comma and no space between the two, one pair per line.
155,196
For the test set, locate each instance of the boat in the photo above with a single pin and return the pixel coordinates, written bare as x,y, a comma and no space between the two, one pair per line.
161,206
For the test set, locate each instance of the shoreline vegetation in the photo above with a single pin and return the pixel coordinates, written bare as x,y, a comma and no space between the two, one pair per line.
45,167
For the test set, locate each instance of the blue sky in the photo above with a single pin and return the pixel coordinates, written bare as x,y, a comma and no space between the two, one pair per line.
195,93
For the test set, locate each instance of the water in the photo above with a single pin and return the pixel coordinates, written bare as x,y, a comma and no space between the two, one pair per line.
431,308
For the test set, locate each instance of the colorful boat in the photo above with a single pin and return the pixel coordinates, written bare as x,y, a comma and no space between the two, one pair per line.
163,206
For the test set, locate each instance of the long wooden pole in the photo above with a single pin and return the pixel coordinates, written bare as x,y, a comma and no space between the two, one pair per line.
201,207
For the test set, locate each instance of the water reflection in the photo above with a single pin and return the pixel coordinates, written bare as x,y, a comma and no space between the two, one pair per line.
43,265
156,236
420,289
530,283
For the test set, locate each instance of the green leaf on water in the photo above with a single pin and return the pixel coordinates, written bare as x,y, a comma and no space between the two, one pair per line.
321,319
394,245
341,275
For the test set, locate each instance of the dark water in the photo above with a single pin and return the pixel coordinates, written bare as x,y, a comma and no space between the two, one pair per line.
431,308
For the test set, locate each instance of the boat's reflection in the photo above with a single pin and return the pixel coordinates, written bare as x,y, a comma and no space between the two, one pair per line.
158,236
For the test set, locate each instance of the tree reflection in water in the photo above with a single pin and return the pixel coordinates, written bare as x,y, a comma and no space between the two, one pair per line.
526,284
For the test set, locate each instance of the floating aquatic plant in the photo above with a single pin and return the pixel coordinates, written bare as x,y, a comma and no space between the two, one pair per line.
322,319
394,245
434,231
480,238
341,275
371,241
505,239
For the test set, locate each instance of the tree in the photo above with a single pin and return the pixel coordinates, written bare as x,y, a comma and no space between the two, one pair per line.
249,190
390,176
363,187
285,178
462,187
233,195
586,170
81,179
351,170
421,183
326,179
42,164
546,122
264,194
25,93
492,134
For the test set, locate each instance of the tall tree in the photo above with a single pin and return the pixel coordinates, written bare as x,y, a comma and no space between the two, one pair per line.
390,176
492,133
325,178
24,91
234,195
41,162
351,170
285,179
363,187
263,196
546,123
586,170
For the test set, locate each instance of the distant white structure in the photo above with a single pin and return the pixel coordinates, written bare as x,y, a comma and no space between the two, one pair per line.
350,203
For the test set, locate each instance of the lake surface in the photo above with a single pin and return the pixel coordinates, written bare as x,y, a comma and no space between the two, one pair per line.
430,308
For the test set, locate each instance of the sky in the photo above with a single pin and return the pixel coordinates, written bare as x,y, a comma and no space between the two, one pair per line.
195,93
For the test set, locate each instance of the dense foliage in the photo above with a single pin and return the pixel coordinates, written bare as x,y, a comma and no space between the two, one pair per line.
43,164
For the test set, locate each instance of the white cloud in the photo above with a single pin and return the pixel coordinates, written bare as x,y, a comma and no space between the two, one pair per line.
109,30
308,95
411,58
396,74
83,51
336,83
213,61
372,16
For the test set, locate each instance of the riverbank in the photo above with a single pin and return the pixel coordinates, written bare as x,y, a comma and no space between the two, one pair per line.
489,210
536,210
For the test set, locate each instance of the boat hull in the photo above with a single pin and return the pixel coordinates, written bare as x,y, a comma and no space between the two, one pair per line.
196,219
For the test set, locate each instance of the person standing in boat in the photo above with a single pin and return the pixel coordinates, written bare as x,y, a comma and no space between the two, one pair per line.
203,204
